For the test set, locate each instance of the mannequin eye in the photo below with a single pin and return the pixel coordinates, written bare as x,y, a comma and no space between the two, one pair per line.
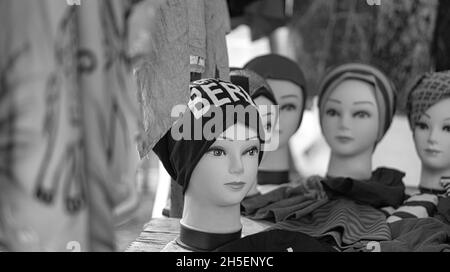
421,125
332,112
216,151
288,107
253,151
361,114
446,128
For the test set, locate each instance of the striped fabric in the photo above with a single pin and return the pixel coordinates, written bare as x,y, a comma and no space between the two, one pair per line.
417,206
347,222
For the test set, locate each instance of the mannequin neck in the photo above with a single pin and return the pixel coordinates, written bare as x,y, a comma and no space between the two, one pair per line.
277,160
430,178
357,166
202,215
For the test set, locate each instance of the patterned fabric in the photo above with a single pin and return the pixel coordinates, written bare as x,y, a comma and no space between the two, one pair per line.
68,119
344,220
159,35
385,92
427,90
173,39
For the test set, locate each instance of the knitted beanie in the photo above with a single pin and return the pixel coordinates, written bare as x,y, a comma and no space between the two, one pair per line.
214,106
385,92
426,91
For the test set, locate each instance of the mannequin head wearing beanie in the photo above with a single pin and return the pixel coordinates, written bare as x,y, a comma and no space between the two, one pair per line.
288,83
356,107
265,100
428,109
213,151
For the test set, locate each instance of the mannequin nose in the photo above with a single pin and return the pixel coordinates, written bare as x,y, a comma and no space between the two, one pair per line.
432,137
344,122
236,165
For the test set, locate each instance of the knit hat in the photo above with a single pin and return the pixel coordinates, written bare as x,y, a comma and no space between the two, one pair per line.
214,106
273,66
385,92
252,83
426,91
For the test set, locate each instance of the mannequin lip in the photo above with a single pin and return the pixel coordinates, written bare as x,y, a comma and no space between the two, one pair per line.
432,151
344,139
236,185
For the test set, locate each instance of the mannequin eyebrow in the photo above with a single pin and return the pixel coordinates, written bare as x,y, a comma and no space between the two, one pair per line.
334,100
289,95
231,140
363,102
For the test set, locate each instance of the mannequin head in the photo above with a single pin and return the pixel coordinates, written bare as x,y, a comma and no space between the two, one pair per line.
217,157
350,118
288,84
428,109
263,96
432,136
356,108
291,101
227,171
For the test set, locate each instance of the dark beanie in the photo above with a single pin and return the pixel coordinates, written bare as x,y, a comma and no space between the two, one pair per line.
252,83
273,66
214,106
385,92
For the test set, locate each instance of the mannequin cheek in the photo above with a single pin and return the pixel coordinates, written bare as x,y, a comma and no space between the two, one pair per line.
288,124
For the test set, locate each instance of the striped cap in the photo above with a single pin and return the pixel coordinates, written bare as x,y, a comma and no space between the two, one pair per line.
385,92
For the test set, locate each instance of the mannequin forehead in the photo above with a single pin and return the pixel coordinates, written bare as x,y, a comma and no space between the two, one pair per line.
238,132
350,91
285,89
439,111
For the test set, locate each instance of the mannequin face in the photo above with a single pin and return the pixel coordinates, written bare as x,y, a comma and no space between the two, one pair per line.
225,173
269,117
290,100
432,136
350,118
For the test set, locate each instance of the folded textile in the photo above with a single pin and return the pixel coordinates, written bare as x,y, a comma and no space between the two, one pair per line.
346,221
443,210
418,234
417,206
384,188
282,203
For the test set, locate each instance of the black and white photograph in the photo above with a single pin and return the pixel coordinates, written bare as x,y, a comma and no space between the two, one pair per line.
257,128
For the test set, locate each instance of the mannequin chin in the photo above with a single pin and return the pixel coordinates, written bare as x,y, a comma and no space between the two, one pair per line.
221,180
290,100
432,141
350,124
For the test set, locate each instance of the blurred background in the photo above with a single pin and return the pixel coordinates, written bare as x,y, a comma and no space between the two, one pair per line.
402,37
